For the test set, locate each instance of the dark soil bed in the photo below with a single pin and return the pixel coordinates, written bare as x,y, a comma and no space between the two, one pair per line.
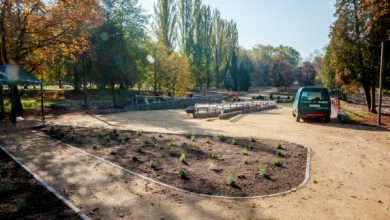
213,165
21,197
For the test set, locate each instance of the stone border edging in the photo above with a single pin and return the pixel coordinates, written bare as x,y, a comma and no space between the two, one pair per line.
47,186
306,179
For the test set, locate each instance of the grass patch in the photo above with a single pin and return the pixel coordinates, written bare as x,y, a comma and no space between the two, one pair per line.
234,141
138,132
219,138
279,146
245,160
172,151
245,151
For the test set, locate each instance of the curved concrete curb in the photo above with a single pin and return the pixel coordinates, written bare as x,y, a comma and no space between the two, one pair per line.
47,186
306,179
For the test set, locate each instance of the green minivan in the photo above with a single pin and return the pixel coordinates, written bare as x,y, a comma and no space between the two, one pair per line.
312,102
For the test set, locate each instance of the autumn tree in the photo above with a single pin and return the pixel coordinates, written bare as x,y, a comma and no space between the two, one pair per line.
352,55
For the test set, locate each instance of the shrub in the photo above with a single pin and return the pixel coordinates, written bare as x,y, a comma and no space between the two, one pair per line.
251,146
182,173
214,155
107,138
214,166
182,157
94,146
135,158
231,181
279,146
152,164
245,160
263,172
4,188
277,162
138,132
234,141
172,151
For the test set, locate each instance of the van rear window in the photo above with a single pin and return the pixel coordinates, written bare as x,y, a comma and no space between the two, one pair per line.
319,95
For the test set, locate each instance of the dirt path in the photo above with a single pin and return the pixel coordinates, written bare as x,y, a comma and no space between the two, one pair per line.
349,179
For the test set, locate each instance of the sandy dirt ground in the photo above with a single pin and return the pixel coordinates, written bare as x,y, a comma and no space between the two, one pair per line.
349,169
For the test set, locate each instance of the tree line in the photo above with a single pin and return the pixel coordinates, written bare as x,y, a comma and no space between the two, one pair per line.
189,46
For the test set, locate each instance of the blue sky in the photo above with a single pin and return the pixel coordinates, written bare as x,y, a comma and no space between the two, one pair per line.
302,24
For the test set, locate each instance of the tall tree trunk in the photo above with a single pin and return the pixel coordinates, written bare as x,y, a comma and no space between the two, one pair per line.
2,114
373,92
76,77
366,87
113,95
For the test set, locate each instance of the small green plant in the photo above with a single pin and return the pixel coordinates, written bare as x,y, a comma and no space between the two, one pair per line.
182,173
214,166
245,160
114,132
245,151
193,138
172,151
208,140
279,146
138,132
277,162
171,139
253,140
71,129
95,147
263,172
123,141
152,164
113,152
21,203
4,188
279,153
231,181
251,146
182,158
214,155
135,158
140,147
234,141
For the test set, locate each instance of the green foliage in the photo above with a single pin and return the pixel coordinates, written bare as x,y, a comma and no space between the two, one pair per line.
140,147
152,164
277,162
182,158
138,132
94,146
234,141
253,140
219,138
106,138
263,172
231,181
182,173
279,146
